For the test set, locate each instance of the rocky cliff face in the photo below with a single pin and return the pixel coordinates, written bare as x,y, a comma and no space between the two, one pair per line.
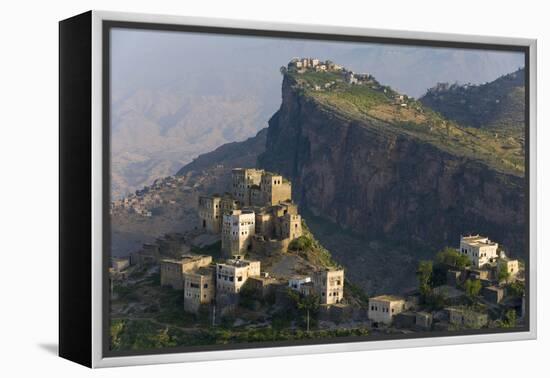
379,183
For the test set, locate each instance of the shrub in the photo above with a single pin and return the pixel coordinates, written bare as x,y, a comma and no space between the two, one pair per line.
301,243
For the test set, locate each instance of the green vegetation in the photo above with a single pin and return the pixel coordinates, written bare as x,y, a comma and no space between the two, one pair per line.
424,274
146,335
446,259
515,289
380,107
308,305
452,259
472,288
498,105
301,244
356,292
311,249
510,319
140,334
503,274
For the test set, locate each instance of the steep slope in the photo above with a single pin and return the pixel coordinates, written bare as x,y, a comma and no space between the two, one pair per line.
232,155
361,159
498,104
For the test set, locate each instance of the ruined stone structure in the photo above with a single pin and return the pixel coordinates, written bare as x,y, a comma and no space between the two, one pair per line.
242,181
172,270
210,213
256,187
199,289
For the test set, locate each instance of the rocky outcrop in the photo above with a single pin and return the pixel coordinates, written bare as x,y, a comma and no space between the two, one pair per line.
377,182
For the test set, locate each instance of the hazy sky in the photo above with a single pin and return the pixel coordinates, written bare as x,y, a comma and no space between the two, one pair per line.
152,59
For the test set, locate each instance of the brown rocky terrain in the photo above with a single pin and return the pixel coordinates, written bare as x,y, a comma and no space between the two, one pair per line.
364,176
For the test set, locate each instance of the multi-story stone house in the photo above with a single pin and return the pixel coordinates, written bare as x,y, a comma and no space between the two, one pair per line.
383,308
479,249
238,228
210,213
199,289
172,270
329,285
511,265
233,274
242,180
275,189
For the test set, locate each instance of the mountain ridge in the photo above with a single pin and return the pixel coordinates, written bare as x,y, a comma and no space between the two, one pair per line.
499,104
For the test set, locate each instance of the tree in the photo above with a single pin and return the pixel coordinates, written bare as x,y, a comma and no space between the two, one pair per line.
424,274
301,243
452,258
472,287
510,319
515,289
503,274
307,304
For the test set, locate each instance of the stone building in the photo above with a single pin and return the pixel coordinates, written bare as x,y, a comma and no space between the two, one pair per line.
383,308
467,318
120,263
291,226
511,265
172,270
296,282
479,249
242,180
148,254
228,204
238,228
263,284
233,274
279,222
275,188
329,285
199,289
210,213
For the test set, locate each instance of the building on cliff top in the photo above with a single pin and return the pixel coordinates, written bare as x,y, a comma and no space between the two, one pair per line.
259,204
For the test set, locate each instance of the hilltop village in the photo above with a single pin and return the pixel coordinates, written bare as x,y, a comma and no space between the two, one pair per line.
257,217
251,265
341,75
473,286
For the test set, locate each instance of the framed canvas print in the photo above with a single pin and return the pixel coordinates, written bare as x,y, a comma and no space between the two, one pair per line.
234,189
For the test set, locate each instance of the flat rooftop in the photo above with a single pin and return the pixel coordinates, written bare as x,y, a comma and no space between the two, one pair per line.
237,263
387,298
477,240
